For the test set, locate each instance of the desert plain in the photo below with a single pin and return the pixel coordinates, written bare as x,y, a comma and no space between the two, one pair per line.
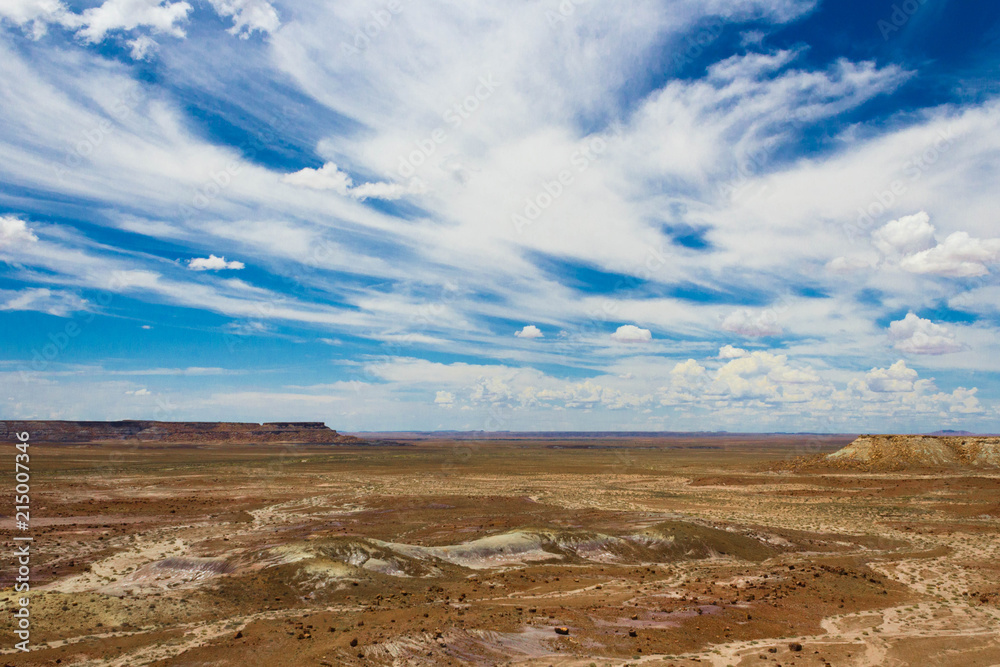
465,550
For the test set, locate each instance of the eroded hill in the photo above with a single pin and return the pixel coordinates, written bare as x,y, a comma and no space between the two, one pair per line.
894,452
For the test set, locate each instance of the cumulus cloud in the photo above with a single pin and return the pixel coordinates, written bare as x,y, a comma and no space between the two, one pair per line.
248,16
444,398
910,240
905,236
763,375
959,256
915,335
158,16
13,231
686,383
730,352
327,177
138,392
112,15
629,333
896,378
529,331
698,125
96,23
752,325
963,401
42,300
213,263
330,177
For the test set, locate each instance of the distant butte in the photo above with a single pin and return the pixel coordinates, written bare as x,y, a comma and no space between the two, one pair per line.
895,452
177,432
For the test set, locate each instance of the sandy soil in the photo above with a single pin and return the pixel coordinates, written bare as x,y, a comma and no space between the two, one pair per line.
505,553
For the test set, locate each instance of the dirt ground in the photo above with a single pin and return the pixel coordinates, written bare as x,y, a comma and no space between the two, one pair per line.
671,551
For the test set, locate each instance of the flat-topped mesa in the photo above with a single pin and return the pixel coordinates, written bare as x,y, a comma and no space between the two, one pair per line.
894,452
176,432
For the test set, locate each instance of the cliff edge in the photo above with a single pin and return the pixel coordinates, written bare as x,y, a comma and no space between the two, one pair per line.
177,432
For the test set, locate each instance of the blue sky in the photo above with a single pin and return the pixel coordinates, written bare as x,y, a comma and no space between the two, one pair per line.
764,215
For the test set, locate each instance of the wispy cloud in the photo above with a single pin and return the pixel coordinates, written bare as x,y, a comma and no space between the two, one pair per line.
373,181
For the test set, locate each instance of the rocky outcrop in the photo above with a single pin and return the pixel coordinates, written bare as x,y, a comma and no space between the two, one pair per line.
176,432
895,452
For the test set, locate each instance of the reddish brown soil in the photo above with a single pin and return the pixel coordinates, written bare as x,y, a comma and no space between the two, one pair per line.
441,553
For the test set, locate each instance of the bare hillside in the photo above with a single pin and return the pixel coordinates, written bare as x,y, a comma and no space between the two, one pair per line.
892,452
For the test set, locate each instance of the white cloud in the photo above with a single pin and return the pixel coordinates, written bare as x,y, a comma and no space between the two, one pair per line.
213,263
963,401
529,331
444,398
629,333
905,236
42,300
517,140
139,392
387,190
327,177
764,376
897,378
752,325
984,299
330,177
33,15
158,15
730,352
248,16
13,231
910,241
915,335
142,46
849,265
959,256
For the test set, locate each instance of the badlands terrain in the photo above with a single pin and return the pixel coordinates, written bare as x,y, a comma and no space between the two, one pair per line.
615,550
